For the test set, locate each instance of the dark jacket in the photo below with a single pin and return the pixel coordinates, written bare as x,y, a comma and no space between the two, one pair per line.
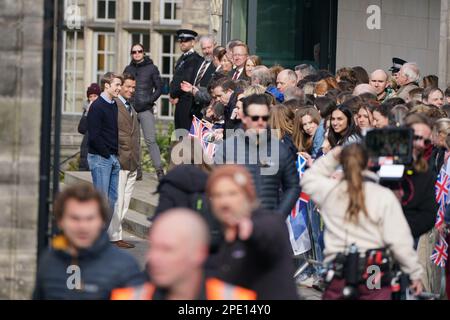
228,111
287,140
103,267
148,84
270,169
185,70
437,158
102,128
184,186
178,185
242,76
129,144
419,201
207,76
197,104
84,147
262,263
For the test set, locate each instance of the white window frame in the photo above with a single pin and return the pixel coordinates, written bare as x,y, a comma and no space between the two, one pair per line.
162,55
107,11
75,51
105,52
161,10
141,33
142,11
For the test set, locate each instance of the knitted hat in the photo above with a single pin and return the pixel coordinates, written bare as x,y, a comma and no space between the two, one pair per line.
94,88
240,176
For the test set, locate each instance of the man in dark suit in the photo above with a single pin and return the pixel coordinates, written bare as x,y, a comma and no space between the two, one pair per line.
240,55
205,72
185,70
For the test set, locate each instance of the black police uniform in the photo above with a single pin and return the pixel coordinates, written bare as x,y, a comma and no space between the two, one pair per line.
185,70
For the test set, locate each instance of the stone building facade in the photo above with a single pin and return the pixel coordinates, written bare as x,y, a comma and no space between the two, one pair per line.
21,28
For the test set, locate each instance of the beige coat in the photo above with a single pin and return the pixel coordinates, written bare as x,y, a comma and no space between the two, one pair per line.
385,225
129,146
403,92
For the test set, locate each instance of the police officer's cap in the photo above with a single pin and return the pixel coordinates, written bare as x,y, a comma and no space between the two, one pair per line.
186,34
397,63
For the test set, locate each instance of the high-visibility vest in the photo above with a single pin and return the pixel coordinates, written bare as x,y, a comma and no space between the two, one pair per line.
215,290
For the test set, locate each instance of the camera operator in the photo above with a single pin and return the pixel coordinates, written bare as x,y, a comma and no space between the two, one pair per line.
417,186
358,211
417,194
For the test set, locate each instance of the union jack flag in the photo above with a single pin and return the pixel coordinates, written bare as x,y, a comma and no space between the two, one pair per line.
297,220
298,230
442,186
440,255
201,131
440,217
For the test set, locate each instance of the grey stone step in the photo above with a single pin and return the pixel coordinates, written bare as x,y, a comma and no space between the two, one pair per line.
143,200
136,223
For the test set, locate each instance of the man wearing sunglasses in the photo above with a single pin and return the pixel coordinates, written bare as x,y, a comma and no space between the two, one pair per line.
185,70
148,90
417,196
267,159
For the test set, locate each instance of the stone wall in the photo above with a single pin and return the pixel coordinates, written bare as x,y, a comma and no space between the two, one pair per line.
409,30
21,30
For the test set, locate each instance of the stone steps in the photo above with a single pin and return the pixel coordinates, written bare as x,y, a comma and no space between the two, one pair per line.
142,205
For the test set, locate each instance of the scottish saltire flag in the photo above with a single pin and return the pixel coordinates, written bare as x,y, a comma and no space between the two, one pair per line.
440,252
200,131
298,229
301,165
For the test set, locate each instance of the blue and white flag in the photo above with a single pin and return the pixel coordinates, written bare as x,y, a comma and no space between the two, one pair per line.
301,165
297,220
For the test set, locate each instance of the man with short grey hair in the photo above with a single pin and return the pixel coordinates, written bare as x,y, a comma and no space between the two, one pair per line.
408,78
261,75
286,79
293,93
304,70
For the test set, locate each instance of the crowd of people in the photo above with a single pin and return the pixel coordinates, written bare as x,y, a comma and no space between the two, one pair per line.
219,231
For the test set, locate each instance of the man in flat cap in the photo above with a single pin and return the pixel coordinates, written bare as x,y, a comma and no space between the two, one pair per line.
185,70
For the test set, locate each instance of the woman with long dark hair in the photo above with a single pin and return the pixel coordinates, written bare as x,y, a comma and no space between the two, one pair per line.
343,129
358,211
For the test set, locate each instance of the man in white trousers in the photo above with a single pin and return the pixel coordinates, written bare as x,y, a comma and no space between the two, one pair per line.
129,149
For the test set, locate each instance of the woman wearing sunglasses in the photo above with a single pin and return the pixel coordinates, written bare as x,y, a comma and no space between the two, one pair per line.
148,90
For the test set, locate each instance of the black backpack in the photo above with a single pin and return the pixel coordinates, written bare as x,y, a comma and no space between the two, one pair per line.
200,204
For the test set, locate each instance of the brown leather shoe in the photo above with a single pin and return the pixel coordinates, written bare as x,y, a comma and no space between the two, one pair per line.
123,244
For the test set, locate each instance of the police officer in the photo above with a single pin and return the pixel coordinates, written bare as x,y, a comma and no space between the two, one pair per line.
185,70
397,63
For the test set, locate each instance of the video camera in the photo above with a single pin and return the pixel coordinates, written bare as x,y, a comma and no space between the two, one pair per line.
390,151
